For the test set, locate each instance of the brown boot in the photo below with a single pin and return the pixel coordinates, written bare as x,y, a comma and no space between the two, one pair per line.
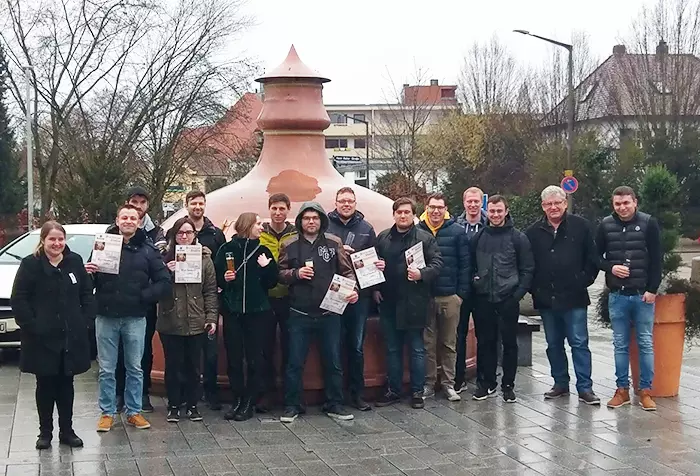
646,401
622,397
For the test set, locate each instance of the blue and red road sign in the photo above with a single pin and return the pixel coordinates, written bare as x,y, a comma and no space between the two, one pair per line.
569,184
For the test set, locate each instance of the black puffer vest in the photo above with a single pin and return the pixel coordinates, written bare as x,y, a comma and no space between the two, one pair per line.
627,244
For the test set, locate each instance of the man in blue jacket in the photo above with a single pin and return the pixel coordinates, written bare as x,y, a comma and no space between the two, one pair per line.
449,290
356,234
122,303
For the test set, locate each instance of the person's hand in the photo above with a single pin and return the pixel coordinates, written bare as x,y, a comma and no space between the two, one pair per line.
649,298
171,265
91,268
211,328
306,272
380,264
378,298
352,297
263,260
621,271
414,274
349,248
229,276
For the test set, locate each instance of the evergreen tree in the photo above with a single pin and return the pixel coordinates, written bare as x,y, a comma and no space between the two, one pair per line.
11,187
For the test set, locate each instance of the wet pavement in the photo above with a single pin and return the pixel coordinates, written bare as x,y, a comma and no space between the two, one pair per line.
530,437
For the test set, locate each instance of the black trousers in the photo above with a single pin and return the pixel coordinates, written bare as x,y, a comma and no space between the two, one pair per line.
182,355
278,317
55,390
244,335
146,360
490,320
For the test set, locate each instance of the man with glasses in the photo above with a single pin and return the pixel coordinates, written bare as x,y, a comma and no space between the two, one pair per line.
566,264
449,291
349,224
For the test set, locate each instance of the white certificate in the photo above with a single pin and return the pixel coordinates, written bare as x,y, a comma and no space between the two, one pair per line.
107,252
414,256
338,291
188,263
366,271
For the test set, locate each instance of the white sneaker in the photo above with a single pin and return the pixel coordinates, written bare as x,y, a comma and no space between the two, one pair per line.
428,391
452,395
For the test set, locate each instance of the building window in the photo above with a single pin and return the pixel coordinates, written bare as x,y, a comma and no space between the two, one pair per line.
447,93
358,118
361,174
360,143
336,143
588,91
337,118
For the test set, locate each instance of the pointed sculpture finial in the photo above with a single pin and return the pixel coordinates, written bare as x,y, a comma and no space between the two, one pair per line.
292,67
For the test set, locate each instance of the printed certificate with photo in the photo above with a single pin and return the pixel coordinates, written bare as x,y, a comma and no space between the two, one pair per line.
366,271
107,252
188,264
414,257
338,291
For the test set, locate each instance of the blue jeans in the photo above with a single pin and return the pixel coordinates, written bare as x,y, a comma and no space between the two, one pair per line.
572,325
327,330
131,331
395,340
627,312
354,321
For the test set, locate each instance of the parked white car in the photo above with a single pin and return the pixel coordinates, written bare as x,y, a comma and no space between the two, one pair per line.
79,238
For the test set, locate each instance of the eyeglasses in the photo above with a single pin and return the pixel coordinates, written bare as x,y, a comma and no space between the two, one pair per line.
185,233
433,208
557,203
345,202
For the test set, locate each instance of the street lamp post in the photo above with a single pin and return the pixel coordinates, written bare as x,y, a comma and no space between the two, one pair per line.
570,100
366,123
30,151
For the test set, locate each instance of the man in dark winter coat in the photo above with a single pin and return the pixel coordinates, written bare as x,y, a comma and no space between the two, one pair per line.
503,269
566,263
123,301
473,219
629,245
404,299
450,289
307,263
356,234
213,238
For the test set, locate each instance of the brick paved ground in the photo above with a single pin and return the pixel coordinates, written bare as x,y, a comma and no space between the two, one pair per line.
467,438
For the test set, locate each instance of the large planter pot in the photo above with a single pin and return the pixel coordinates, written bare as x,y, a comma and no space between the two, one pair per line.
669,340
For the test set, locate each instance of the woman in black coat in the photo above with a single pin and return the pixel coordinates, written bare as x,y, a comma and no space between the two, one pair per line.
53,304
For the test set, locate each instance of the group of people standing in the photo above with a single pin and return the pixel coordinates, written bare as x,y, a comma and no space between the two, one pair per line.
275,275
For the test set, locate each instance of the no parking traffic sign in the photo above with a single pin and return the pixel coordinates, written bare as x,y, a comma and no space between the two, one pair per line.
569,184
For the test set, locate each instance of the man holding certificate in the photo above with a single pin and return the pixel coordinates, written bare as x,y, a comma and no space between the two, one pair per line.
309,263
357,235
413,262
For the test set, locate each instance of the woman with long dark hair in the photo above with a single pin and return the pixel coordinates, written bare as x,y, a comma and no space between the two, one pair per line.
246,271
53,303
183,318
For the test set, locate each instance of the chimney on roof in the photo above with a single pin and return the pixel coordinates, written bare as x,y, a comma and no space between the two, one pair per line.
433,82
619,50
405,85
662,49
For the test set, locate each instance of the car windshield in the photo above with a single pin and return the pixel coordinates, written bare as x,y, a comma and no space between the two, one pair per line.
81,244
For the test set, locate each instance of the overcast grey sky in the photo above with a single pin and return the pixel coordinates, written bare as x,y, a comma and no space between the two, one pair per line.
361,44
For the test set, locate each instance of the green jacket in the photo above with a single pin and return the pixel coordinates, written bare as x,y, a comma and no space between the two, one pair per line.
190,306
272,240
248,292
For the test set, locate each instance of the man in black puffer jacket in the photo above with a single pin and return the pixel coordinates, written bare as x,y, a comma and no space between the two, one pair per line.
449,290
122,303
503,270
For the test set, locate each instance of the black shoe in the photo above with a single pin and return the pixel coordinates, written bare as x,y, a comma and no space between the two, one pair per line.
337,412
245,411
482,393
193,414
173,414
417,400
120,404
44,441
557,392
460,387
509,395
360,404
235,405
589,398
389,398
290,414
146,406
70,438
